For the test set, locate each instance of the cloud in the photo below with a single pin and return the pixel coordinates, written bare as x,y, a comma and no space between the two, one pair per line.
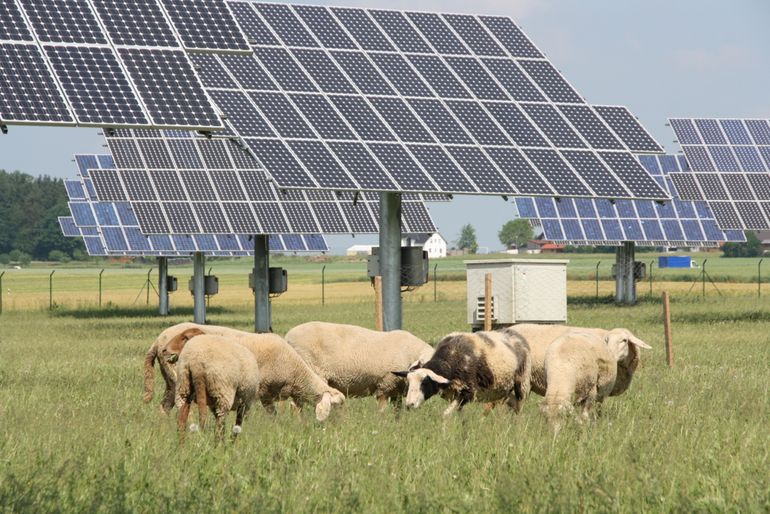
728,57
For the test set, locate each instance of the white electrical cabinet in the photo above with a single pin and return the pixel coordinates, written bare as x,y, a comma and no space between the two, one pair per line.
523,291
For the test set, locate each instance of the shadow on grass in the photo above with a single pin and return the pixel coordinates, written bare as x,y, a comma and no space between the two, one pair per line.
138,312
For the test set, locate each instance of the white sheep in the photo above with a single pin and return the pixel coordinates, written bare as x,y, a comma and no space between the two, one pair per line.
284,374
539,337
483,366
217,373
359,361
581,369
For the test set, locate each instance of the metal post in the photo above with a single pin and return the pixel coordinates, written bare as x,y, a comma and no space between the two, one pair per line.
667,329
378,303
323,285
199,292
620,257
597,278
149,286
163,286
50,290
435,284
759,281
100,287
390,259
262,323
1,291
703,278
630,287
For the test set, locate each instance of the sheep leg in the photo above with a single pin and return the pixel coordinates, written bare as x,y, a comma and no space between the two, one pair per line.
269,406
489,407
184,411
202,401
220,427
168,397
239,415
382,402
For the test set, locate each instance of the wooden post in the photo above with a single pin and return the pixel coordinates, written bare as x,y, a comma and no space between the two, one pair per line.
667,327
378,303
488,301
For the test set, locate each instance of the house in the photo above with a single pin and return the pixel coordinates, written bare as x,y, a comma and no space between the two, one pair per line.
542,246
764,239
359,250
434,244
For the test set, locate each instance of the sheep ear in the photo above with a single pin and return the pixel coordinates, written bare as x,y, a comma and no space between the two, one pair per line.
192,332
324,407
438,378
638,342
402,374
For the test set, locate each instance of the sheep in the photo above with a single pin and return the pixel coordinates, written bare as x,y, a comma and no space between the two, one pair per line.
581,368
484,366
166,369
540,337
284,374
217,373
359,361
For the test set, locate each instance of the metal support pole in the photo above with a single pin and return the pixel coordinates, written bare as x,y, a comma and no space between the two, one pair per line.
597,278
323,285
630,288
378,303
50,290
199,291
100,287
625,285
759,281
1,291
390,259
703,278
435,283
149,286
262,323
620,257
163,286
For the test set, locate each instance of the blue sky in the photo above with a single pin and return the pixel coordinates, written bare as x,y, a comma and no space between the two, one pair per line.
660,58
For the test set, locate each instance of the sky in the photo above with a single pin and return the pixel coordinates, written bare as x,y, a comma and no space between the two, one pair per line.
660,58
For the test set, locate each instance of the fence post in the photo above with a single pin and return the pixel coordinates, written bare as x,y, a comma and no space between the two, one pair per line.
50,290
100,287
488,301
652,263
759,279
667,328
597,278
378,303
1,291
323,285
703,278
148,286
435,293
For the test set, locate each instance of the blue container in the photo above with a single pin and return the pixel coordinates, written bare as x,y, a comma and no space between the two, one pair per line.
674,261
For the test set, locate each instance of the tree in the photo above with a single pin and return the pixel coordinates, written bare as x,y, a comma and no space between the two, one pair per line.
516,233
467,239
751,248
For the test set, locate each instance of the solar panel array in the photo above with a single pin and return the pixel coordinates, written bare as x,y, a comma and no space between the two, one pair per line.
730,168
355,99
178,183
112,228
111,62
602,223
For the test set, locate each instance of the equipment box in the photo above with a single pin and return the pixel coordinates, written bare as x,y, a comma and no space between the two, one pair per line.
523,291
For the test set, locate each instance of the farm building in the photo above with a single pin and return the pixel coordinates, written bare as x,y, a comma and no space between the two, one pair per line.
434,244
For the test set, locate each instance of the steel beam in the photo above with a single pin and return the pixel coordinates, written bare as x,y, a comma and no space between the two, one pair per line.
163,286
199,291
262,321
390,259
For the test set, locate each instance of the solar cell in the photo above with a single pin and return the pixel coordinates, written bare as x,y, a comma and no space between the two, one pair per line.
400,73
323,70
324,26
628,128
511,37
514,80
72,21
474,35
251,24
438,34
590,127
286,25
363,73
206,25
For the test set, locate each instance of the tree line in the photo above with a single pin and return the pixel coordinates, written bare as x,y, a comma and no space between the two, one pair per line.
29,226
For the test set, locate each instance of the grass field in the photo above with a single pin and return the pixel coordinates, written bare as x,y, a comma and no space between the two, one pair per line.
75,436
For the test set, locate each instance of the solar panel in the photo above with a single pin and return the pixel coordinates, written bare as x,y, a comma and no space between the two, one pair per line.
373,77
109,62
581,221
729,168
231,194
117,227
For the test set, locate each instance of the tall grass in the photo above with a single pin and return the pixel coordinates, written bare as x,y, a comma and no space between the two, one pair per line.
75,436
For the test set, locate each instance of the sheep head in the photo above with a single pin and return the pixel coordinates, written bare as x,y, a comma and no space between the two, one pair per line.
624,345
422,384
328,399
174,347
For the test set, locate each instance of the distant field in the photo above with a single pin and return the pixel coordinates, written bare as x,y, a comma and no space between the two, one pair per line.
75,436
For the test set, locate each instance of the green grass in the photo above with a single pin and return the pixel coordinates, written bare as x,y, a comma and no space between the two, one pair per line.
75,436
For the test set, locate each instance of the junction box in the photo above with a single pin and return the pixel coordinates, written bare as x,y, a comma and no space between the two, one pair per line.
523,291
210,285
171,284
278,281
640,270
414,266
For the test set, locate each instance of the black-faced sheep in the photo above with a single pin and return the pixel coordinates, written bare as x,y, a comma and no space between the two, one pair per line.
484,366
284,375
581,369
359,361
539,338
217,373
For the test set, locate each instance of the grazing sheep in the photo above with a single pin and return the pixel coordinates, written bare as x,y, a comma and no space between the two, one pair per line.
359,361
284,375
217,373
166,369
581,368
539,337
484,366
